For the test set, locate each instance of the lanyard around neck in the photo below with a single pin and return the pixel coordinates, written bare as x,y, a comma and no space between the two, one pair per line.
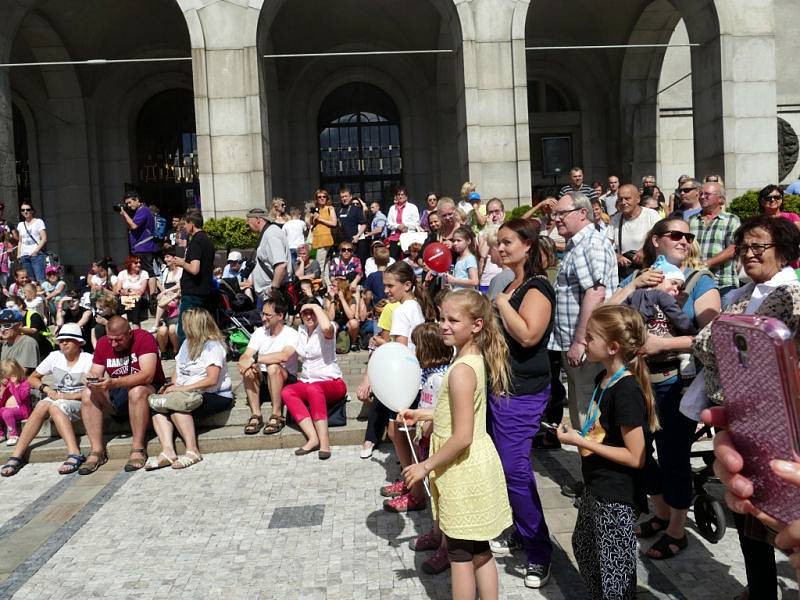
594,406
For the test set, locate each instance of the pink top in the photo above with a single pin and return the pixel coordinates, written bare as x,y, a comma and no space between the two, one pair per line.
22,394
789,216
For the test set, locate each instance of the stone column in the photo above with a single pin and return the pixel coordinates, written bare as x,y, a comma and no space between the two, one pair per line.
8,173
225,69
495,98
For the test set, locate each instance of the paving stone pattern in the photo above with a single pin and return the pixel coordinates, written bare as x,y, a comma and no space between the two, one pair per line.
208,532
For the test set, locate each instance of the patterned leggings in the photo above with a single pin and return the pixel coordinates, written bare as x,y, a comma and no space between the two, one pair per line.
605,548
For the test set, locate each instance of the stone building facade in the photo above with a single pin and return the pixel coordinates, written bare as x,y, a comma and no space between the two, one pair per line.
236,116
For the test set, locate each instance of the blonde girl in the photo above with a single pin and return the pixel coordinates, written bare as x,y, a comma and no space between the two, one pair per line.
465,272
15,400
612,448
462,453
342,309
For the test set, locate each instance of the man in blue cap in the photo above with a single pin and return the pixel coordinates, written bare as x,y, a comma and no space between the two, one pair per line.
15,345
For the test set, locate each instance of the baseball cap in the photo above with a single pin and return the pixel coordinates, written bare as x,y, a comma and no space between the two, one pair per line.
235,256
257,213
474,196
71,331
10,315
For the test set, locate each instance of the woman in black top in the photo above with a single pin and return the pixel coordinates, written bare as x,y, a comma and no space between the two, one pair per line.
525,308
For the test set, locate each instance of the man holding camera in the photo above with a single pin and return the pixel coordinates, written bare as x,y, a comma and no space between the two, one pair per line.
141,234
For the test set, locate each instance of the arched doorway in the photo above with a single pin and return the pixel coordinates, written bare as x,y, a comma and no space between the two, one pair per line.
166,152
359,142
21,156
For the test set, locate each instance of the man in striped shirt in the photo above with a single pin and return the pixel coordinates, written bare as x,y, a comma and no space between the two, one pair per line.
577,185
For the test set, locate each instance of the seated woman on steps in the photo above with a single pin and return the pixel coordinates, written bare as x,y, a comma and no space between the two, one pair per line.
200,366
60,402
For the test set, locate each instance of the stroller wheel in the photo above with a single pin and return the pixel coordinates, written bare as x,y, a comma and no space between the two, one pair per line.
710,517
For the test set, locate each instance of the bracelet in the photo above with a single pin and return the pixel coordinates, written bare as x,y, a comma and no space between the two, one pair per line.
43,386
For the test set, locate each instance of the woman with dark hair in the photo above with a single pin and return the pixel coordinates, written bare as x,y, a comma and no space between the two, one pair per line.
766,246
431,200
526,308
669,481
32,240
770,201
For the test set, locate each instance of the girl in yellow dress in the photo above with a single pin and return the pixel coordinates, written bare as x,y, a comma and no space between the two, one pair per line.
467,482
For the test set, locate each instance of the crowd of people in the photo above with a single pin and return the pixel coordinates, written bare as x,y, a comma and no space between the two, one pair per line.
615,286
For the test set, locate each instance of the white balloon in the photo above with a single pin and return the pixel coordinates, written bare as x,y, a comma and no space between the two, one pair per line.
394,375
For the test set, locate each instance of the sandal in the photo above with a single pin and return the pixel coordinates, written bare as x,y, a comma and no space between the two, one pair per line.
154,463
274,425
664,547
254,424
72,464
187,460
652,527
12,466
90,467
134,464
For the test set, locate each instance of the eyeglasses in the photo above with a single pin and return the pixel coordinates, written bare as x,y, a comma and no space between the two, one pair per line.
677,236
709,194
265,316
757,249
26,210
686,190
773,198
560,214
346,249
4,326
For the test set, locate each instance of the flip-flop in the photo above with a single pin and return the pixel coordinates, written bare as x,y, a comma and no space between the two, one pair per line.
187,460
154,463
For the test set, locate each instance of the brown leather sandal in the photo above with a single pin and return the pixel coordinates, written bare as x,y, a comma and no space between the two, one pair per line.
254,424
274,425
134,464
90,467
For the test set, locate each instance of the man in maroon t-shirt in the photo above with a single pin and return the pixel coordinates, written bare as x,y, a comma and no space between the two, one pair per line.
126,369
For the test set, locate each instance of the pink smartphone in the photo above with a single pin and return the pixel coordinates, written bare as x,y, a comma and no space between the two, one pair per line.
758,370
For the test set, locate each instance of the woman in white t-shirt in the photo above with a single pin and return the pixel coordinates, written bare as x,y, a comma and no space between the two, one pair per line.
200,366
32,239
320,381
130,287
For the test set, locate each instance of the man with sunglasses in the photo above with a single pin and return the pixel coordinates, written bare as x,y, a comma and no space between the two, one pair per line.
688,199
15,345
713,228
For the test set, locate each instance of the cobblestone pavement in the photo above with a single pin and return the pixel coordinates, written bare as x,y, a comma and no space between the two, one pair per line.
268,524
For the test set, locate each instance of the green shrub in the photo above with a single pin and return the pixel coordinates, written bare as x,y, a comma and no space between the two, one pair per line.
230,232
746,205
517,212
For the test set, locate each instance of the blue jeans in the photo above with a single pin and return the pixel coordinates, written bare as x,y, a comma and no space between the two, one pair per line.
188,301
34,265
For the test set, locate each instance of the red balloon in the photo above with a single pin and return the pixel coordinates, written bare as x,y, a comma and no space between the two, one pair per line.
437,257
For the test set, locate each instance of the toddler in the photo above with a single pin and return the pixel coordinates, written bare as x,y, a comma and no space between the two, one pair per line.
15,399
53,288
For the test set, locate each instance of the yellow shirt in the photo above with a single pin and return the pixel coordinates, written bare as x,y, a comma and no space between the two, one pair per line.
385,320
322,234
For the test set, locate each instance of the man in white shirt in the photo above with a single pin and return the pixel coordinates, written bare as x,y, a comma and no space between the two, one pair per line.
272,349
403,216
609,199
628,229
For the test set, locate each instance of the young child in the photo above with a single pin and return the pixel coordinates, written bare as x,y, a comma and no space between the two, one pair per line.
664,317
612,448
33,301
15,399
414,259
460,447
53,287
465,272
295,229
7,247
434,358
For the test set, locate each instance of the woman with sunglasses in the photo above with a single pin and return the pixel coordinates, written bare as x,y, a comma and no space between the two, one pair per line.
770,200
669,481
278,212
32,240
322,219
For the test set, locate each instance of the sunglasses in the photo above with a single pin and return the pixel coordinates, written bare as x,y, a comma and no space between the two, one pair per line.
26,210
346,249
773,198
677,236
686,190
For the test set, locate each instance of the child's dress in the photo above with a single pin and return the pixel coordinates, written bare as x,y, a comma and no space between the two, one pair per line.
469,495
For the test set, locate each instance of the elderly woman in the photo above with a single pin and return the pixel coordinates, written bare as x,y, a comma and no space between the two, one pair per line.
200,366
669,481
320,382
770,200
306,269
766,246
131,287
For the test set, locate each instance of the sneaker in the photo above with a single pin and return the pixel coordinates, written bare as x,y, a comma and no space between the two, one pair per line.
537,576
354,347
153,330
429,541
404,503
505,545
572,490
12,440
438,563
398,488
366,451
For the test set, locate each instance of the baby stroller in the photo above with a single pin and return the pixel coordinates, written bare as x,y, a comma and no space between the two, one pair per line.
237,316
709,514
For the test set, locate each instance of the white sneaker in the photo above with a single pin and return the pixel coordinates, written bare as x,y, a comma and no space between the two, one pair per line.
12,441
153,330
366,451
537,576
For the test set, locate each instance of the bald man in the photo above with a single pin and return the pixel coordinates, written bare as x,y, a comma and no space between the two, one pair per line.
628,229
126,369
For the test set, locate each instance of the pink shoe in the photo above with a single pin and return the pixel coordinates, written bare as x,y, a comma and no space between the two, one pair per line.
398,488
437,563
404,503
429,541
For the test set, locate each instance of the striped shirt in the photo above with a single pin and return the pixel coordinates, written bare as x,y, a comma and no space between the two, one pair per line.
713,239
585,189
589,260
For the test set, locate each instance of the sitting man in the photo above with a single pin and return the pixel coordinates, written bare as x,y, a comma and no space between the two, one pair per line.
17,346
133,368
275,345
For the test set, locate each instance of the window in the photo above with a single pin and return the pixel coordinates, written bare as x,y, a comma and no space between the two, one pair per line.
359,142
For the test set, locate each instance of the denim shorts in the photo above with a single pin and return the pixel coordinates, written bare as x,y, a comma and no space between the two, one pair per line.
119,400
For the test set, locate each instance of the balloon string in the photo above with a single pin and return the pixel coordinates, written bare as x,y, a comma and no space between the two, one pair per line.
414,456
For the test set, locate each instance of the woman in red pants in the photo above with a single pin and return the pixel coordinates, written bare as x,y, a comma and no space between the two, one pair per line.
320,382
